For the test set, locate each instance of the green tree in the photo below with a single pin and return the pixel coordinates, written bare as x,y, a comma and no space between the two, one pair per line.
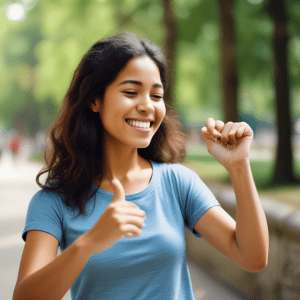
198,61
170,48
283,172
69,29
228,61
18,106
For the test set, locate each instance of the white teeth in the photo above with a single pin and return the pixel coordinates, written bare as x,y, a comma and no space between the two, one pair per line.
139,124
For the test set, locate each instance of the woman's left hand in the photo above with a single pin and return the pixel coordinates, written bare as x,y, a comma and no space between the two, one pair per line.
239,134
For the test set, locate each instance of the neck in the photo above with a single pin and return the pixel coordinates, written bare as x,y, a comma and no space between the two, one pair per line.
120,162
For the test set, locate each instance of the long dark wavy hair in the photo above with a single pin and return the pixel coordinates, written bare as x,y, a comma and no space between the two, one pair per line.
74,141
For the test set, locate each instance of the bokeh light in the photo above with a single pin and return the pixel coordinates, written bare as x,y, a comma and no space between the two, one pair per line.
15,12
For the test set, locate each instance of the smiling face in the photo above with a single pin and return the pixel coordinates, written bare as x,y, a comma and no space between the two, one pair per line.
137,92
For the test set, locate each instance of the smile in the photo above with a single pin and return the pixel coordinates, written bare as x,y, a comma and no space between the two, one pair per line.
140,129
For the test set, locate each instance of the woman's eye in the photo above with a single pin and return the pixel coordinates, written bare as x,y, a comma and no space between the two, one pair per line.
157,96
134,94
130,93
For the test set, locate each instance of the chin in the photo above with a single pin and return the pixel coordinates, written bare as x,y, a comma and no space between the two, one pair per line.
144,144
143,147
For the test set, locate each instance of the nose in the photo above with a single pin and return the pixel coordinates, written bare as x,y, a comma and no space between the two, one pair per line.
145,104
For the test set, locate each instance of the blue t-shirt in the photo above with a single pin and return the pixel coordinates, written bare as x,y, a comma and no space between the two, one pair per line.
150,266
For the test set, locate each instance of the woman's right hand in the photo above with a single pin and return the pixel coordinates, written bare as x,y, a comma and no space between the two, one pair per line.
121,218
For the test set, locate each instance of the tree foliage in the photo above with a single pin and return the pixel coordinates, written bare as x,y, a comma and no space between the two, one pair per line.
48,45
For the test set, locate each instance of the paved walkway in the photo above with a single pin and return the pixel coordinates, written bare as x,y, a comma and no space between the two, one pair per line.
17,186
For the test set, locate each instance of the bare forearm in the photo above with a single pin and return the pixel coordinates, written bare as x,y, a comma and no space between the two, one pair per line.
56,278
251,225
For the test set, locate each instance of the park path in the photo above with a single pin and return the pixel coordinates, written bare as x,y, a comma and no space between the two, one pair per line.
17,186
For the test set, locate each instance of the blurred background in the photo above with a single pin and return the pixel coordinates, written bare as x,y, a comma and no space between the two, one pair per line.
230,60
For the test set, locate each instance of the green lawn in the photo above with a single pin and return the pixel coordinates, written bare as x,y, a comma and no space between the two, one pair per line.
38,157
212,173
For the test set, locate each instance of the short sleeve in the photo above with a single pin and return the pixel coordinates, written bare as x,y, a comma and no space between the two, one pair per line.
45,213
196,197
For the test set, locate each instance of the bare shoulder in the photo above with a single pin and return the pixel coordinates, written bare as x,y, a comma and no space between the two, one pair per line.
39,250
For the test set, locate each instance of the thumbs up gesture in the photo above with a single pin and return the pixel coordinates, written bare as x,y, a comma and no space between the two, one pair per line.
120,219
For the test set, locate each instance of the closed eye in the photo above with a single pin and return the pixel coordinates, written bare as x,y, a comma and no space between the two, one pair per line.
157,96
130,93
134,93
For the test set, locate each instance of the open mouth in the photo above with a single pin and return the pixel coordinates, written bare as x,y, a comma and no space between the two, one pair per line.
141,128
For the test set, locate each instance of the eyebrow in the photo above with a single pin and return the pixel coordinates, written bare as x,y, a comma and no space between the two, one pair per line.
156,85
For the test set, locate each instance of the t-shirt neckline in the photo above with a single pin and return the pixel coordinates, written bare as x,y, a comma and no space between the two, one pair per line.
137,195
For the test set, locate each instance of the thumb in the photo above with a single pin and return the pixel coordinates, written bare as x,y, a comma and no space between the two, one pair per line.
119,193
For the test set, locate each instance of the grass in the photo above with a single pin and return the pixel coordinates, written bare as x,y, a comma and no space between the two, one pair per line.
38,157
213,173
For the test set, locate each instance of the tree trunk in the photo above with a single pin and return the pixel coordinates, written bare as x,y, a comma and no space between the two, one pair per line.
228,61
283,172
170,50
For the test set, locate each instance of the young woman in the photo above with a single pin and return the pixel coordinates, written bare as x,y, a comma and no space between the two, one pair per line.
117,198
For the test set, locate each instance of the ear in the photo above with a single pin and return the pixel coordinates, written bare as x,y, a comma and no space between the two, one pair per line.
95,105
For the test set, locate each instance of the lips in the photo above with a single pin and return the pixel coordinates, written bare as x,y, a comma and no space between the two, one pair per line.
141,119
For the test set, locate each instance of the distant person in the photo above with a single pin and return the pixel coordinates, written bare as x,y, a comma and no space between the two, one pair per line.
15,143
2,142
117,198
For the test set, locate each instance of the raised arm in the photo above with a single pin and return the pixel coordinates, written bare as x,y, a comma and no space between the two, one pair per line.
246,241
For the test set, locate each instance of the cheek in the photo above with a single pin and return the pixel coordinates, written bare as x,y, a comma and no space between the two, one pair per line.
160,107
107,120
162,111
